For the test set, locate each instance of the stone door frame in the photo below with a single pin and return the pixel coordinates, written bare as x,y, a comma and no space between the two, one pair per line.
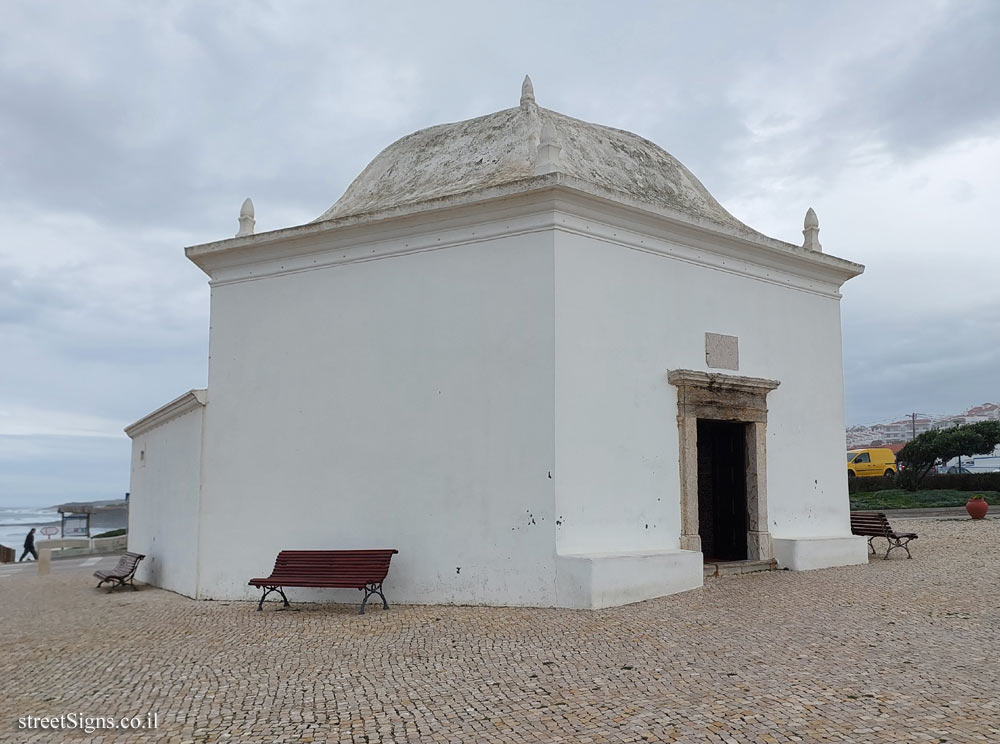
708,395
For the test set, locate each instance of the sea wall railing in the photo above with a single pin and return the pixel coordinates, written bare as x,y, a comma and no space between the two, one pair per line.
67,546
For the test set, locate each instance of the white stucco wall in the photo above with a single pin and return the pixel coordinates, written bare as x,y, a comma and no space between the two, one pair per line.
624,317
164,499
486,391
396,403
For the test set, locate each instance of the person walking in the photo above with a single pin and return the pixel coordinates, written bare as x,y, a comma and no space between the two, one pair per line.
29,546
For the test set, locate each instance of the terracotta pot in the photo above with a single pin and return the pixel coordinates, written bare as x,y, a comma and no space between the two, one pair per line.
977,508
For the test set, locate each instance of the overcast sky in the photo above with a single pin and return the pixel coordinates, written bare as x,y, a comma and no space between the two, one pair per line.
130,130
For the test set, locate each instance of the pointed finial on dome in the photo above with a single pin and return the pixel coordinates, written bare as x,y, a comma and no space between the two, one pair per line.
811,219
527,91
246,219
549,150
811,231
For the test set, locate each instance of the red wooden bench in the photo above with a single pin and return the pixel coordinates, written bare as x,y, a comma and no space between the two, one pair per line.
328,569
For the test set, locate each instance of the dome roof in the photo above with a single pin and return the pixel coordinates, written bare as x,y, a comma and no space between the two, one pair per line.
503,147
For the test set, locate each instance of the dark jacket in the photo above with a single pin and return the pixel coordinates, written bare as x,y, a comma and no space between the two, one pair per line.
29,541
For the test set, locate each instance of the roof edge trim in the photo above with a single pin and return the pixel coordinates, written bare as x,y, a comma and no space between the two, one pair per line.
190,401
201,254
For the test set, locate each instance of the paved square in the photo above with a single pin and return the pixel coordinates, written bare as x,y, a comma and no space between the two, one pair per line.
895,651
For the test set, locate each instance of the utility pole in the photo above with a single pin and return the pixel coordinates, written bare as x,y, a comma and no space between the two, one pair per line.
913,421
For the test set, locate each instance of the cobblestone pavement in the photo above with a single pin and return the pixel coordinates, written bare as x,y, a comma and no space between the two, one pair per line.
895,651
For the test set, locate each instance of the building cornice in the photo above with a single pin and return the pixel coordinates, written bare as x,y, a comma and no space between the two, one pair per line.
190,401
550,202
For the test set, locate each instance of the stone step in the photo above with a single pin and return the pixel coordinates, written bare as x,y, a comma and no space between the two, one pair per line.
733,568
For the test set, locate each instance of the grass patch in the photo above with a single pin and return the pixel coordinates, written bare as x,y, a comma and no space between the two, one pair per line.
897,498
117,533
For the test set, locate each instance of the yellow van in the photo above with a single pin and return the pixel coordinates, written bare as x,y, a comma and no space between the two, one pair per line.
873,462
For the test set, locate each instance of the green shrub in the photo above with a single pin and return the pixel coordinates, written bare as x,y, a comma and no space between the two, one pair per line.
969,482
867,485
112,533
897,498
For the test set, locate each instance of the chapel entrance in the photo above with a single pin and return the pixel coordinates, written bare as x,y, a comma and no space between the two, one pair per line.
722,433
722,492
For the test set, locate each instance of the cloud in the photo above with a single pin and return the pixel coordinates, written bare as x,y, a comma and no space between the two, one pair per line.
128,131
49,470
97,320
886,88
941,88
25,421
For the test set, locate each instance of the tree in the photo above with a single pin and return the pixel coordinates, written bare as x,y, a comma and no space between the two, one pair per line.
924,451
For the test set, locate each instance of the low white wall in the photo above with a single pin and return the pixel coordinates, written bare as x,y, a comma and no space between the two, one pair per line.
108,544
820,552
59,543
68,546
611,579
163,502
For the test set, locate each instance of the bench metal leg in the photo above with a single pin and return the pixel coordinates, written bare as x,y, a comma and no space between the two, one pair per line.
899,543
268,590
114,582
371,589
870,546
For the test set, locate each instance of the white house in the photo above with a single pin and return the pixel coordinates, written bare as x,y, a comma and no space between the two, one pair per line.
534,355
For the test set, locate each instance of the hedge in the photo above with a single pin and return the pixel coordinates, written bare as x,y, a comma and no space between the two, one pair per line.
969,482
899,499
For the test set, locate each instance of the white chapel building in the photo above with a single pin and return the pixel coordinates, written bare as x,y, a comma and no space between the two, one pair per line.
531,353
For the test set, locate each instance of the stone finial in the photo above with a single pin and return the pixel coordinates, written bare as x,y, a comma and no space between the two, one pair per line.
811,232
527,91
549,150
246,219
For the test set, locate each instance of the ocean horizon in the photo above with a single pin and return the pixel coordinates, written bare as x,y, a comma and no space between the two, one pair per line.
15,521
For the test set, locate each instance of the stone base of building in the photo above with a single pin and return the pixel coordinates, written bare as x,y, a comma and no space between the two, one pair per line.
806,554
596,580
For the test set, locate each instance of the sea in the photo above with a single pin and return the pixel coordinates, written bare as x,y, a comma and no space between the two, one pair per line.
16,521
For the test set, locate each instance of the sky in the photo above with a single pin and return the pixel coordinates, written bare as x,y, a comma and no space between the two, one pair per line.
129,130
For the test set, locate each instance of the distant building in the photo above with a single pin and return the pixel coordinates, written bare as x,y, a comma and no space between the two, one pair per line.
533,354
902,431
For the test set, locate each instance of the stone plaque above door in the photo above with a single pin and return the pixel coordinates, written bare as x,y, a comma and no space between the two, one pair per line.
722,352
